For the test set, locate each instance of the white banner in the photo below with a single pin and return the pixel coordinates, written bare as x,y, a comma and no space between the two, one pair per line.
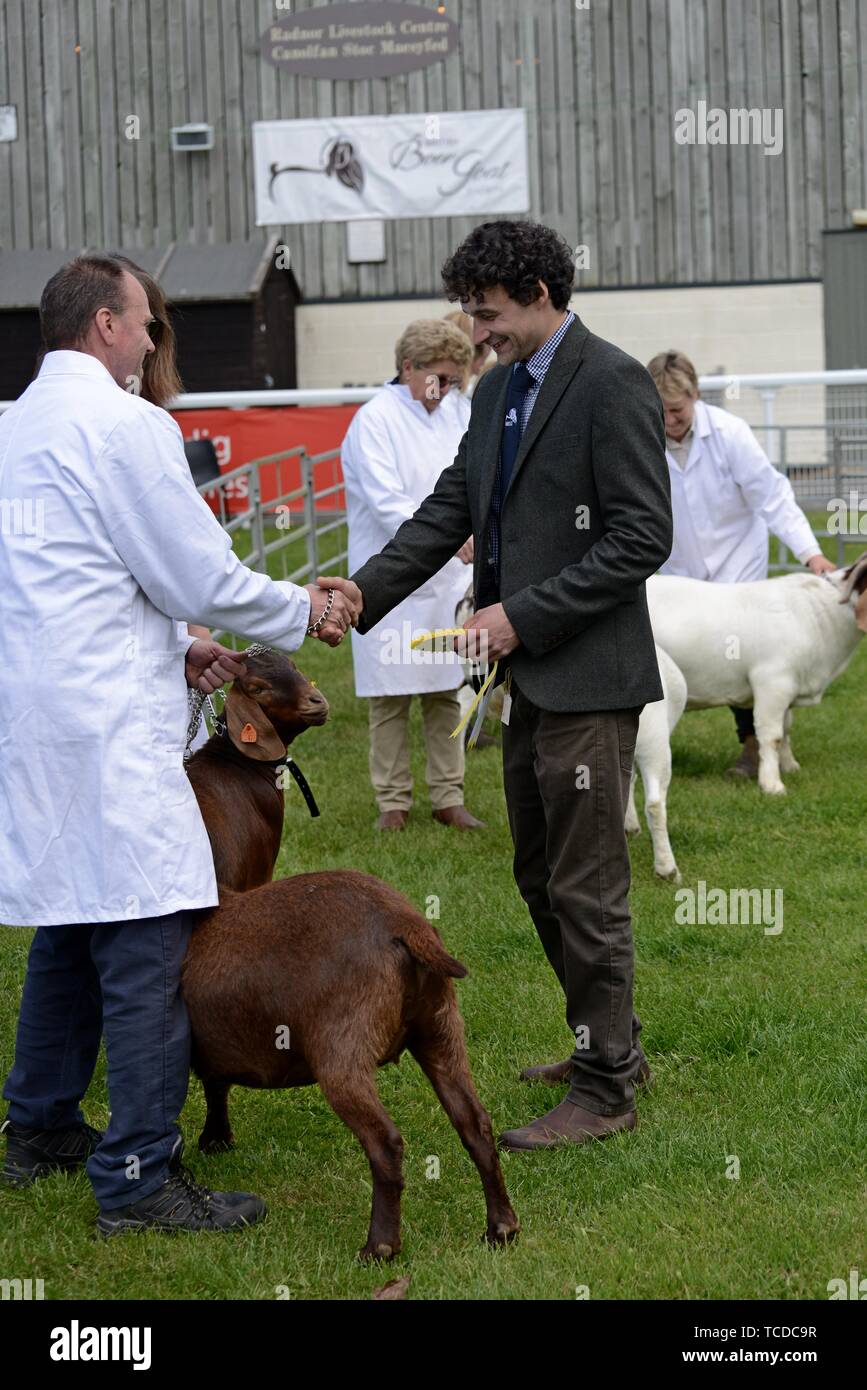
339,168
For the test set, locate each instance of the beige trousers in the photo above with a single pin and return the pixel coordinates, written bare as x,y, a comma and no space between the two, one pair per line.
389,750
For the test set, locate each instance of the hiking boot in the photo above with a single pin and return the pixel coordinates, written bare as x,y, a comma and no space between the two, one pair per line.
33,1153
182,1204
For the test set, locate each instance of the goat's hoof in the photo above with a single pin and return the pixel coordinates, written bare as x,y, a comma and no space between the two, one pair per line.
216,1144
379,1252
503,1233
791,766
774,789
672,875
632,829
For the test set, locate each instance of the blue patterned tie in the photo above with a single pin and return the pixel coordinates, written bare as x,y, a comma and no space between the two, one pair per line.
513,428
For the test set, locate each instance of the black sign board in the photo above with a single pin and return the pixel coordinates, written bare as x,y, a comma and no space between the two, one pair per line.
375,39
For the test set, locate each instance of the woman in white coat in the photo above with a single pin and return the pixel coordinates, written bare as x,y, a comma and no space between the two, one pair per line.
393,454
726,496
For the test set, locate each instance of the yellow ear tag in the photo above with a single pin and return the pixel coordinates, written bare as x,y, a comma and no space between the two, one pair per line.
248,734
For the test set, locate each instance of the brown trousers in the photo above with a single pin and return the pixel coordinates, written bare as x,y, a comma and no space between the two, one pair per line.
566,782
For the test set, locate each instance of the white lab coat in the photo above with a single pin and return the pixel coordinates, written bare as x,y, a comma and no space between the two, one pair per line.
392,456
105,545
726,500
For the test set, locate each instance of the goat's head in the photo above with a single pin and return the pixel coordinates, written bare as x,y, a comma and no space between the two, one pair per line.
853,590
271,704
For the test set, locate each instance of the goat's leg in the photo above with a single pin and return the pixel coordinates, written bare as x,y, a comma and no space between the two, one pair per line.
217,1134
656,784
439,1047
354,1097
788,761
769,711
632,825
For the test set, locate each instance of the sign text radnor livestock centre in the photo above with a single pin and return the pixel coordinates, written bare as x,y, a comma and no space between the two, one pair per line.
360,40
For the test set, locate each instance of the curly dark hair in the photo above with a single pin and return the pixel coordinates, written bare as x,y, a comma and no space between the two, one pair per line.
516,255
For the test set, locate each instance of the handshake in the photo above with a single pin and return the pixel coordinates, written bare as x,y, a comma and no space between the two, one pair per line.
345,608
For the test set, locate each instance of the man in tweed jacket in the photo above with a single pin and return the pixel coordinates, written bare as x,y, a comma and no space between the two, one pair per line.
562,480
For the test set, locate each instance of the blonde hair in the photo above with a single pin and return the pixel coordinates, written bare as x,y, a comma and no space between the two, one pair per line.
674,374
432,340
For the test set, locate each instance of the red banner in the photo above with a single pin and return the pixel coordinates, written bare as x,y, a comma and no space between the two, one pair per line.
240,436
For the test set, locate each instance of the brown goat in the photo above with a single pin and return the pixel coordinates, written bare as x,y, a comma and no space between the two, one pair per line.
320,978
239,794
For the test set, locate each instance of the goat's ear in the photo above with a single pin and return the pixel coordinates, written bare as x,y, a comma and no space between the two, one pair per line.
861,610
250,729
854,578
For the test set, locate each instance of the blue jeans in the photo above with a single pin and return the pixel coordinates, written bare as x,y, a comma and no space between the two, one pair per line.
122,980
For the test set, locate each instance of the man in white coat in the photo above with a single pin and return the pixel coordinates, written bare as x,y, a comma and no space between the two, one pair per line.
726,497
395,450
106,545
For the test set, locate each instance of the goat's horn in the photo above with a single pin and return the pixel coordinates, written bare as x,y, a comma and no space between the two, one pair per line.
851,577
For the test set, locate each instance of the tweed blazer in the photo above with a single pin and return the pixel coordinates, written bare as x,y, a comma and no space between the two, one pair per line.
586,519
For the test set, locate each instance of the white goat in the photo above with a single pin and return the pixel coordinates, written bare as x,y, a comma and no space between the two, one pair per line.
653,760
771,645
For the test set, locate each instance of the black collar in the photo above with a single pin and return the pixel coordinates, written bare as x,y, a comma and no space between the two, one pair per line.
303,785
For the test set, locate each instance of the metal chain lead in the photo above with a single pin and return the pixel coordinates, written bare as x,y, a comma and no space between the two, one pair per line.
197,700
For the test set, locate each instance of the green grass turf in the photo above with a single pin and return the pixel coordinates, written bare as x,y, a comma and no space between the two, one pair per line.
756,1042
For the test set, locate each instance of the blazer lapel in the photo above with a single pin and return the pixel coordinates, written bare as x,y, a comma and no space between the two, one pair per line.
488,470
566,362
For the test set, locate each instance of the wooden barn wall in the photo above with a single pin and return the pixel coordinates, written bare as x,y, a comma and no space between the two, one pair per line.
601,85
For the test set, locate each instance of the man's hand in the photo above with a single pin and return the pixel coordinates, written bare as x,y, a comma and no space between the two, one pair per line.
345,609
466,552
209,665
819,565
497,637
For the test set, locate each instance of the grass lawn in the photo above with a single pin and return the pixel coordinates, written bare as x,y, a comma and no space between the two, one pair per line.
756,1042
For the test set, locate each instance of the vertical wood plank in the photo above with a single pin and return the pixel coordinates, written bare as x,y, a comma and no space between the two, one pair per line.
643,179
567,118
738,155
756,161
94,227
156,74
796,187
831,112
32,126
6,194
235,171
814,153
54,135
718,155
108,132
849,57
198,163
144,149
129,214
778,267
215,53
685,158
701,164
663,139
589,234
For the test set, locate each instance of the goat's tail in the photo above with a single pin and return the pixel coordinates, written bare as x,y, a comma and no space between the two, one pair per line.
425,946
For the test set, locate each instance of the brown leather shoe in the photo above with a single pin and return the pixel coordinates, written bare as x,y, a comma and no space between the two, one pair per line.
393,820
747,764
560,1074
565,1124
459,817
